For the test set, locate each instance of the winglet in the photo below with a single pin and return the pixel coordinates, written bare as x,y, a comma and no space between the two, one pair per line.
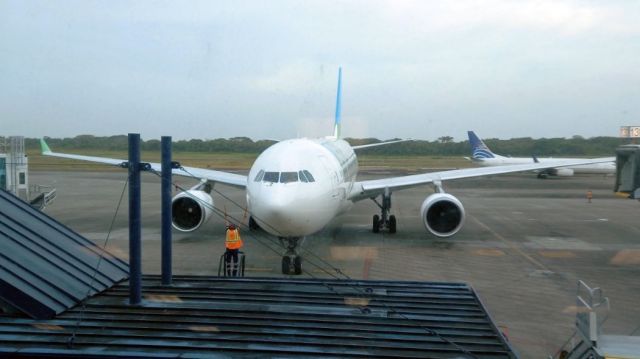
337,125
44,147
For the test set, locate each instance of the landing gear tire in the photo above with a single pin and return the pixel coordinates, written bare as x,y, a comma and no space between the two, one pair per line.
392,224
291,264
286,265
297,264
376,223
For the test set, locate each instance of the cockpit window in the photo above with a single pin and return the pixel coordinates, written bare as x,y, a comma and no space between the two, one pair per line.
309,176
286,177
271,176
259,176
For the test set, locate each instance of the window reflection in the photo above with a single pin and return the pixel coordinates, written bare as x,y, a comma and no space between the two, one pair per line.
271,176
259,176
309,176
286,177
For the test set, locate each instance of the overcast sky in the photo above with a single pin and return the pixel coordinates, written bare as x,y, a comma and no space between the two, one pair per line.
268,69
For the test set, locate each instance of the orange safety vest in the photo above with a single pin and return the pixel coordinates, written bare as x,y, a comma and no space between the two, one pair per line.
233,240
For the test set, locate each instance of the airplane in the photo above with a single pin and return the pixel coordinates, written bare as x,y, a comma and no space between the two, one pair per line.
482,155
296,187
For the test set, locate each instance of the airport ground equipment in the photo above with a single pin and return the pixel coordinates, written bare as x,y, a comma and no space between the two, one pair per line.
589,341
45,267
14,176
14,173
628,170
207,316
228,268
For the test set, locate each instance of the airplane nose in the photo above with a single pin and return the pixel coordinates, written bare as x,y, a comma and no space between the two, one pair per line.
275,214
288,211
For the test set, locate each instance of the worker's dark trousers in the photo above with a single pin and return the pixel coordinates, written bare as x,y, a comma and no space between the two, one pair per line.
232,255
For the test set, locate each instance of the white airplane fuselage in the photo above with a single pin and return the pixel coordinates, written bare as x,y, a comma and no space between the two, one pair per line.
596,168
285,201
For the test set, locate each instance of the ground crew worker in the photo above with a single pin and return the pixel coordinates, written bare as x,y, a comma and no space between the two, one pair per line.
589,196
233,243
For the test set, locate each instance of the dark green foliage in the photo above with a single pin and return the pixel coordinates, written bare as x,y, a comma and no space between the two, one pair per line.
444,146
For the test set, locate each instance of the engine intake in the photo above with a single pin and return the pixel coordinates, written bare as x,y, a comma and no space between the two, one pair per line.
442,214
191,209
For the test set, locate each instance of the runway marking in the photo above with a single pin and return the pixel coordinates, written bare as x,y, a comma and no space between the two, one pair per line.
368,261
559,243
489,252
626,257
557,254
511,245
352,252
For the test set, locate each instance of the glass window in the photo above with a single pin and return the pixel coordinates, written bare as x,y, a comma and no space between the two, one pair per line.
22,178
309,176
286,177
271,176
259,176
303,178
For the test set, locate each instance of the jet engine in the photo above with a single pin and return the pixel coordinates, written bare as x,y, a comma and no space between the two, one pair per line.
560,172
190,209
442,214
563,172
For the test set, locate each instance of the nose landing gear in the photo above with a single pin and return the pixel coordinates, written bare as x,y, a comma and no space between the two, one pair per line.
291,261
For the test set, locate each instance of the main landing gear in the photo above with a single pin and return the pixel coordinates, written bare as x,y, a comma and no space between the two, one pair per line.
384,220
291,261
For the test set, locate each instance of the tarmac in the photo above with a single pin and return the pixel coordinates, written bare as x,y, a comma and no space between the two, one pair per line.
525,244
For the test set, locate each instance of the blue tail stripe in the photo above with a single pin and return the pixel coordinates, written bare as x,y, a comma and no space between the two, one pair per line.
337,125
478,148
339,97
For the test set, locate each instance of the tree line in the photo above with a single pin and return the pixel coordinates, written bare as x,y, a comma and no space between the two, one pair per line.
444,146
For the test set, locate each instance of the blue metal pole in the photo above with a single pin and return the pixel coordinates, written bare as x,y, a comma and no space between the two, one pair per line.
135,232
166,210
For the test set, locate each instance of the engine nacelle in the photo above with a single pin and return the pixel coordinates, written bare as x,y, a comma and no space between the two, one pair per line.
563,172
442,214
191,209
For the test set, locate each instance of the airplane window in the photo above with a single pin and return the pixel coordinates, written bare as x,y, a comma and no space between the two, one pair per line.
271,176
303,178
259,176
286,177
309,176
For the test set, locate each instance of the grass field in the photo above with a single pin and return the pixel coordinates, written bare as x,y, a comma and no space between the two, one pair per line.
236,161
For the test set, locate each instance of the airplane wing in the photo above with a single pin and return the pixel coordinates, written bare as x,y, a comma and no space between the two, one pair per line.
228,178
371,188
379,144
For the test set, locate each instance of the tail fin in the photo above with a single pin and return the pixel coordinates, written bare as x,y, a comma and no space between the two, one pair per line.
337,125
478,149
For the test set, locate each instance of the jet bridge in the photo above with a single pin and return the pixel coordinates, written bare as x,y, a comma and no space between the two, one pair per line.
628,170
